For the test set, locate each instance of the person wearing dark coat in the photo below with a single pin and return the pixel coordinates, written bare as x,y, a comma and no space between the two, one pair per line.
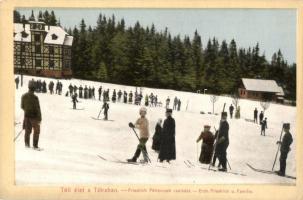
261,116
119,95
168,144
93,92
32,115
207,146
51,87
71,88
157,136
263,126
179,105
285,148
114,97
74,100
231,110
80,91
256,116
89,92
222,142
100,92
106,108
85,92
130,97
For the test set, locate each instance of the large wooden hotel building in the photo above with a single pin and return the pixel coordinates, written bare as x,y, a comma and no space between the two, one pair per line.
42,50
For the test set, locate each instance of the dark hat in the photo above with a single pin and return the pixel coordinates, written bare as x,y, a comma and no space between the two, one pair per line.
206,126
286,125
168,110
224,114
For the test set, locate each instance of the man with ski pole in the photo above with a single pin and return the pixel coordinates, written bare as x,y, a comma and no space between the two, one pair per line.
143,125
284,148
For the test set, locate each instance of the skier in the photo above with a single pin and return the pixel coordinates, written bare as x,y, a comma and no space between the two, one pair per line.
17,82
207,145
256,115
75,88
263,126
222,142
168,145
60,88
32,115
106,108
143,126
179,105
152,98
167,102
157,136
156,101
231,110
285,148
100,92
74,100
261,117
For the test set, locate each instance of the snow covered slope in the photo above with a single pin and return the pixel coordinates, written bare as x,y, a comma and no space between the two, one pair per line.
71,140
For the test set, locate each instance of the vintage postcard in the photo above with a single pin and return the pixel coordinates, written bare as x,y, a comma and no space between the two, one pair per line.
122,101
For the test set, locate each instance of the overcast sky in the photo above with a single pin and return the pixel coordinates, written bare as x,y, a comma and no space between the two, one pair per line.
273,28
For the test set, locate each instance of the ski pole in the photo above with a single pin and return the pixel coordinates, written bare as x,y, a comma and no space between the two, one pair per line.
215,145
228,163
18,135
278,149
197,152
142,148
99,113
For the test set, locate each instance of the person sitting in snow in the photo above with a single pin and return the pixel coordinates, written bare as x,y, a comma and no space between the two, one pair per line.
207,145
157,136
143,125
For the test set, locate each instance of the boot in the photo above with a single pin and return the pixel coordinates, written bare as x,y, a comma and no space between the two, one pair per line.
137,154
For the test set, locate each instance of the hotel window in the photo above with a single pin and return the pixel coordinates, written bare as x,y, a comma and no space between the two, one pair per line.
38,63
38,49
37,38
51,50
51,64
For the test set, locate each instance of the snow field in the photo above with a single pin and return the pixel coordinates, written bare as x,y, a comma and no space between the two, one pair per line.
71,140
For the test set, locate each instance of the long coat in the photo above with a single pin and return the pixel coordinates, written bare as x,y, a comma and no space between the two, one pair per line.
157,138
168,144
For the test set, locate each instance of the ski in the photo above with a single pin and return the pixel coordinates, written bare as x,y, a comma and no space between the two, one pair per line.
37,149
110,120
228,172
268,172
187,164
190,163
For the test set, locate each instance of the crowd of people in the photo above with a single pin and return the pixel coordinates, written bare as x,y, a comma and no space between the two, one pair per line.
214,146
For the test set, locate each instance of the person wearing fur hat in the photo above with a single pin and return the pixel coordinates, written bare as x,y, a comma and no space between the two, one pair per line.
222,142
157,136
168,144
32,115
207,145
143,125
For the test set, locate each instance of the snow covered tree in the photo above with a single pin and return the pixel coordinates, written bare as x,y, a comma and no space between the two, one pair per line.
213,100
265,105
